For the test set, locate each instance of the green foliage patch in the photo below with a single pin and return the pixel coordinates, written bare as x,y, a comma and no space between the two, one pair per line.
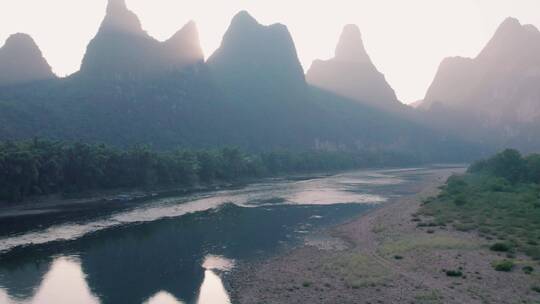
499,198
503,265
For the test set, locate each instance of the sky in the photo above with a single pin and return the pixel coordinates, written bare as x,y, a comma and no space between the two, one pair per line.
406,39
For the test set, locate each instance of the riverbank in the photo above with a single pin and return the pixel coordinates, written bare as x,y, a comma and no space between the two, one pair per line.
387,258
49,204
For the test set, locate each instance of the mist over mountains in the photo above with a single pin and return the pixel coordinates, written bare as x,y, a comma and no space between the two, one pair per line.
495,97
251,92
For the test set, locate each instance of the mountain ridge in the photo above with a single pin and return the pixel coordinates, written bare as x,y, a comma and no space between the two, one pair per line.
122,49
496,93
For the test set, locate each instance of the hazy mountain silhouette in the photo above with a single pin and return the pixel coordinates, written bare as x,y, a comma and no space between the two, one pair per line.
21,61
252,93
123,49
257,58
498,91
352,74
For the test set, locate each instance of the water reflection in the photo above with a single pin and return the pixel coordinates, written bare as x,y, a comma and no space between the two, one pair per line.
339,189
160,252
212,289
163,297
65,283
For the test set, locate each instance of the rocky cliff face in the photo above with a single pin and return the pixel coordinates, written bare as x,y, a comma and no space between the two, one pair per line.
352,74
122,49
21,62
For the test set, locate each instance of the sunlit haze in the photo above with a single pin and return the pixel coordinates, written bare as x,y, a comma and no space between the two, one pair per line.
406,39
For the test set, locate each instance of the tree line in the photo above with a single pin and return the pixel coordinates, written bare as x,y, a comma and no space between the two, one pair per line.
511,165
40,167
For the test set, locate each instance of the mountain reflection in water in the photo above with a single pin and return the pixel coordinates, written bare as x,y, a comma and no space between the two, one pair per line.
176,250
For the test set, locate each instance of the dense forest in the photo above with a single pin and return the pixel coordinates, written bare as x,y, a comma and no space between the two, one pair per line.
39,167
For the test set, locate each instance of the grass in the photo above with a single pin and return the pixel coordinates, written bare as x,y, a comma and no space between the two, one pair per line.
496,209
431,297
358,270
425,242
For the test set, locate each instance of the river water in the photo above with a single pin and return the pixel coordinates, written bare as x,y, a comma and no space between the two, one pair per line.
178,249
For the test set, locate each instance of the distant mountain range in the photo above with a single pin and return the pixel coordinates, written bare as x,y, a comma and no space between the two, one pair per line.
495,97
252,92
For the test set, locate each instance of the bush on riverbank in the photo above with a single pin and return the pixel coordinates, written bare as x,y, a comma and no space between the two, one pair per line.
40,167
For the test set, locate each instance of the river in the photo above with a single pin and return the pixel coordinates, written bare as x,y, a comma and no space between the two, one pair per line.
180,249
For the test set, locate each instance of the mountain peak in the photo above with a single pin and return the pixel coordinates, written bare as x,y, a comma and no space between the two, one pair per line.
116,5
20,40
21,61
352,74
189,30
122,49
186,42
351,46
120,19
512,40
243,18
510,23
252,54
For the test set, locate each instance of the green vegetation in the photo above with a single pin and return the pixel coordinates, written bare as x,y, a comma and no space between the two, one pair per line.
527,269
511,166
499,198
503,265
454,273
40,167
423,243
501,247
430,297
357,270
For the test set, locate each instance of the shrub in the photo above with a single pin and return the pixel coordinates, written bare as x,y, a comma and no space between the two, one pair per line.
500,247
536,288
504,265
528,269
454,273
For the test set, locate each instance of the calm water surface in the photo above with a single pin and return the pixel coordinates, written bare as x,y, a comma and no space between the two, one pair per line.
177,249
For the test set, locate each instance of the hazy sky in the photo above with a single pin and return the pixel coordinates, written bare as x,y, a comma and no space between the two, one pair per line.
406,39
